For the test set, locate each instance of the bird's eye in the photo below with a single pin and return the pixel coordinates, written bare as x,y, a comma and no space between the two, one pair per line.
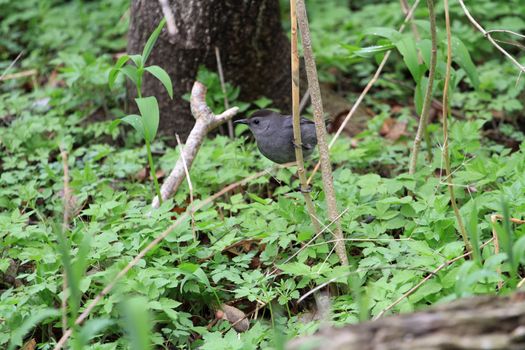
256,121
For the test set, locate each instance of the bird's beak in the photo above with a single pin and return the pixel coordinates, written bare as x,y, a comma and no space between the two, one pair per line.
241,121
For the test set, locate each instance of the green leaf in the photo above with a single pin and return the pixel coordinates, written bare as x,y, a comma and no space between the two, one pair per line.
384,32
136,122
113,73
149,109
164,78
17,336
131,73
472,229
151,40
91,329
137,323
462,58
137,59
407,48
371,51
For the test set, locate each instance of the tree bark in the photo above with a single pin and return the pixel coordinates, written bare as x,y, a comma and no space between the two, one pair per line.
254,52
486,322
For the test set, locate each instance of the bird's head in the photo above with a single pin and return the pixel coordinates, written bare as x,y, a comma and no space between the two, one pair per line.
259,122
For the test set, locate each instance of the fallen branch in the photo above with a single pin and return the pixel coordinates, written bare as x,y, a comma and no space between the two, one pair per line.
483,322
205,121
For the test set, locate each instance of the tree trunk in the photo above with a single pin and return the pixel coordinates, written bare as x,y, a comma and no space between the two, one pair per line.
488,323
254,52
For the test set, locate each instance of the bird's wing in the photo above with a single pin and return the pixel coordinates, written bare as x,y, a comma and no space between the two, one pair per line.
288,121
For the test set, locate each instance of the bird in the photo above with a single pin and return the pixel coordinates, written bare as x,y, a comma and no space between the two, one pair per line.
273,133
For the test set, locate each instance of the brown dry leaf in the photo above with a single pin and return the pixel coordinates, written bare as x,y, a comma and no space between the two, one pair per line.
397,130
141,175
388,124
235,316
29,345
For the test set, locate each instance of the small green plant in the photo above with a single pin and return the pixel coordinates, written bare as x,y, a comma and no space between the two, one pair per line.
147,123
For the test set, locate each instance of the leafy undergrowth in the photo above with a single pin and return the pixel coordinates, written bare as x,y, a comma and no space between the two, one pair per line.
252,248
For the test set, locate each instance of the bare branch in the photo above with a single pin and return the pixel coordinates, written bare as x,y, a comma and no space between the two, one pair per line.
223,88
489,37
205,121
170,18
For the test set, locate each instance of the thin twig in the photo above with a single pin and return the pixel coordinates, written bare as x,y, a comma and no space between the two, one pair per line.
26,73
423,120
11,65
320,128
170,18
489,37
367,88
432,274
304,101
445,113
223,87
150,246
190,186
65,227
297,118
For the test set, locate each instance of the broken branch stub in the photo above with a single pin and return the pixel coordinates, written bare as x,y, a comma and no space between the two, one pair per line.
205,121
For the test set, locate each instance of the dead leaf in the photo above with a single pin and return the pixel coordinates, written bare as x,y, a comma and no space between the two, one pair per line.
397,130
29,345
235,316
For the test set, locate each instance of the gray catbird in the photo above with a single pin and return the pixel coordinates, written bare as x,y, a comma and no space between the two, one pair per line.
274,135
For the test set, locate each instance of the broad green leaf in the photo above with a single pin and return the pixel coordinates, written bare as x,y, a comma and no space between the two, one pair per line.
137,59
461,55
419,94
472,229
519,251
371,51
113,73
425,47
131,73
407,48
137,323
384,32
73,283
17,336
89,330
164,78
151,41
136,122
149,110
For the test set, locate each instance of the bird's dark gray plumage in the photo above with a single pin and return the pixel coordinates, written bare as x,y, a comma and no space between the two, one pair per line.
274,135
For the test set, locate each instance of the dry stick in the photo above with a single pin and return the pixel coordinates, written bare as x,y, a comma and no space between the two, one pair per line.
65,226
149,247
367,88
170,18
445,113
26,73
489,37
324,154
432,274
223,88
428,93
205,121
504,31
190,185
11,65
297,119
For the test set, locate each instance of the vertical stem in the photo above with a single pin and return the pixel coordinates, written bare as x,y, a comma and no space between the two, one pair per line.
317,103
445,113
223,88
428,93
297,119
152,170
